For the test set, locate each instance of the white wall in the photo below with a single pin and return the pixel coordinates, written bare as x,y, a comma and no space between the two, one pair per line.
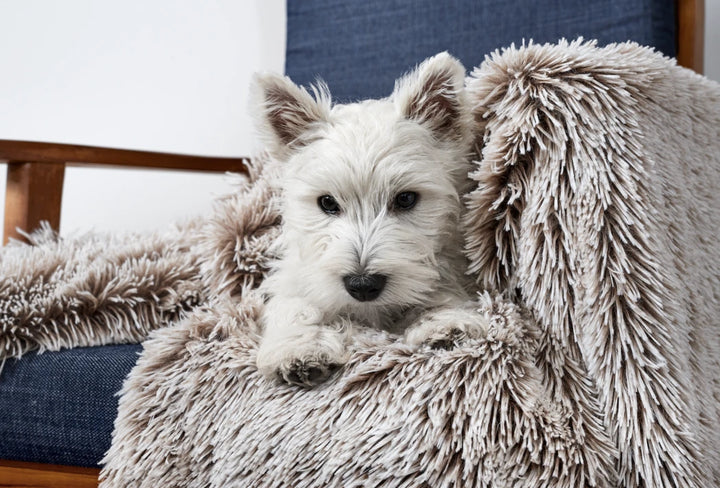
165,75
712,39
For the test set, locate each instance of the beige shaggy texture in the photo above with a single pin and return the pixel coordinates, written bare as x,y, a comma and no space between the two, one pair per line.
592,226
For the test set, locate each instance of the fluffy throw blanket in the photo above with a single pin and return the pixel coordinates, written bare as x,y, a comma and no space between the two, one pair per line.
593,228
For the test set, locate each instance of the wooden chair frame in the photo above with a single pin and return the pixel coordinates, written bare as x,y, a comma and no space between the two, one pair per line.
36,171
34,193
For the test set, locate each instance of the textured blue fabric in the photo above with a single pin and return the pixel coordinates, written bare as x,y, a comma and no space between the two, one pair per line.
59,407
360,47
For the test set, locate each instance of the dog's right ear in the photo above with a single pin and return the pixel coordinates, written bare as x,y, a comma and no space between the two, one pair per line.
434,96
285,113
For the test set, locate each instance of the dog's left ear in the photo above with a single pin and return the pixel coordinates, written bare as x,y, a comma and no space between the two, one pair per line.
285,113
434,95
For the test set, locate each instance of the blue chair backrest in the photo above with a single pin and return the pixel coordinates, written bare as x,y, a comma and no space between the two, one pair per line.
359,47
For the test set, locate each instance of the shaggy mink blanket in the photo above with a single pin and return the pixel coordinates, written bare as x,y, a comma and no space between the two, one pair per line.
593,228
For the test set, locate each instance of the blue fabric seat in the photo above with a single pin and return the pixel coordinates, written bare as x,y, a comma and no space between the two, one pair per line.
59,407
359,48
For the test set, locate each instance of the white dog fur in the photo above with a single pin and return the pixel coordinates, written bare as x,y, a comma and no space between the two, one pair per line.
395,170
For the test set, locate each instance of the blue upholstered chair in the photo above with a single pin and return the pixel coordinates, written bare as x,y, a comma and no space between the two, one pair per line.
58,407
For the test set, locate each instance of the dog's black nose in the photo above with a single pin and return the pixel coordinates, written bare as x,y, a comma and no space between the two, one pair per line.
365,287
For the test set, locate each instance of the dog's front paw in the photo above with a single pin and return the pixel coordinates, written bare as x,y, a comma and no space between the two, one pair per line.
304,360
306,372
447,328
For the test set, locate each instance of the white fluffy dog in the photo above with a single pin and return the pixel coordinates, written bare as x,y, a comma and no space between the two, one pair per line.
371,196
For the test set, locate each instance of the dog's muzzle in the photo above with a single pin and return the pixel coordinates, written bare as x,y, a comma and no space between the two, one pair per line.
365,287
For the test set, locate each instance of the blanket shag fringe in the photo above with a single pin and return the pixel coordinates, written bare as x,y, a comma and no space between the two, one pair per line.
592,226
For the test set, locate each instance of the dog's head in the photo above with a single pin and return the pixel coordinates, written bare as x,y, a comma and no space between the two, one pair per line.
371,190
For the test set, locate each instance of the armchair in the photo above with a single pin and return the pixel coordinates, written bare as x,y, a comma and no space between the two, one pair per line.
318,43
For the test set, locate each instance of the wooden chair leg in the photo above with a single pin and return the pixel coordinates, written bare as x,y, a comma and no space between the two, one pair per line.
33,194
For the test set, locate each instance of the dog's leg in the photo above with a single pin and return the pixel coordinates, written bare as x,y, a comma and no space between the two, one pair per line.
297,347
447,326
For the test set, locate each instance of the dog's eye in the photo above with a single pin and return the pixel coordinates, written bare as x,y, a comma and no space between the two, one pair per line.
328,205
406,200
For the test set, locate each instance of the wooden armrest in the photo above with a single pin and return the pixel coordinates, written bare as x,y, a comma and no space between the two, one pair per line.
19,474
26,151
36,171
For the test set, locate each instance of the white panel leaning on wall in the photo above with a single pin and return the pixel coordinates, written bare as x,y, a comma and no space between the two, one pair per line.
170,76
